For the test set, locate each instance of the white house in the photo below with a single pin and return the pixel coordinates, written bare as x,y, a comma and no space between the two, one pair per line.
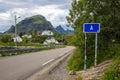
17,39
27,36
50,40
47,32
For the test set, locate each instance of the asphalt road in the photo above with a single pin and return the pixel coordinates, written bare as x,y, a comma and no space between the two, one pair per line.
22,66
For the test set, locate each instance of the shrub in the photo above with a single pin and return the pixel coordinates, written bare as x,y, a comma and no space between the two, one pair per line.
76,62
112,72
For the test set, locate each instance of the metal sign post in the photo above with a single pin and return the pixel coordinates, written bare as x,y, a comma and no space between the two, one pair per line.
91,28
85,56
96,41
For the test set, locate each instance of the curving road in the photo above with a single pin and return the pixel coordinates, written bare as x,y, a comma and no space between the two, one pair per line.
22,66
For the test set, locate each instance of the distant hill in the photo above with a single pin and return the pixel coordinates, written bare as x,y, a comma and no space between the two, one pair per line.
1,33
37,23
61,30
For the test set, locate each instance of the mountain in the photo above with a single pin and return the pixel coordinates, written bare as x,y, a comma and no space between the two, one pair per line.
61,30
37,23
1,33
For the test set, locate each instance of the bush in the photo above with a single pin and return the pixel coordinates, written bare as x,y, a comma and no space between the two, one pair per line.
76,62
112,72
5,38
39,39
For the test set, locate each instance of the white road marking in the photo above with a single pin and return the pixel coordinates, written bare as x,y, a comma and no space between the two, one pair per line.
48,62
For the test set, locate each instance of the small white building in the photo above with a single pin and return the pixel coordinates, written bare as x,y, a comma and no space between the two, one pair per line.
50,40
17,39
27,36
47,32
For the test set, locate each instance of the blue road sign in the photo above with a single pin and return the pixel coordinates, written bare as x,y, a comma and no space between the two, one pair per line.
91,27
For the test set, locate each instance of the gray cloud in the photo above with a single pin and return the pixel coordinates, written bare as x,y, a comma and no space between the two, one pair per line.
9,4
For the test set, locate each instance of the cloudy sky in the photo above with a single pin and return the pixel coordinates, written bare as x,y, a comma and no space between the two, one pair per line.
54,11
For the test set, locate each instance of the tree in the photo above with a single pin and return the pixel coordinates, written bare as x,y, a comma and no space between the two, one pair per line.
21,34
105,12
5,38
39,39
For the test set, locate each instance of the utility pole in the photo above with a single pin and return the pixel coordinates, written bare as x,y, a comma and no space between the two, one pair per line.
15,33
16,30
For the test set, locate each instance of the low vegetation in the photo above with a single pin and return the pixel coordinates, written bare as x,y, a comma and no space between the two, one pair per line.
113,72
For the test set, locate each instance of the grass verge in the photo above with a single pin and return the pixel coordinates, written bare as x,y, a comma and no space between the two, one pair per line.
113,72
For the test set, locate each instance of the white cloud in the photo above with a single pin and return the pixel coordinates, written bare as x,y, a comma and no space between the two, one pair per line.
15,3
52,13
55,13
1,0
5,19
4,16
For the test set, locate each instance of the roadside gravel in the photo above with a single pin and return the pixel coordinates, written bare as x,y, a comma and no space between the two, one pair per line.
59,72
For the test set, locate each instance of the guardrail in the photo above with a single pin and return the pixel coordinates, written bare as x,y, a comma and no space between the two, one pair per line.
10,52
